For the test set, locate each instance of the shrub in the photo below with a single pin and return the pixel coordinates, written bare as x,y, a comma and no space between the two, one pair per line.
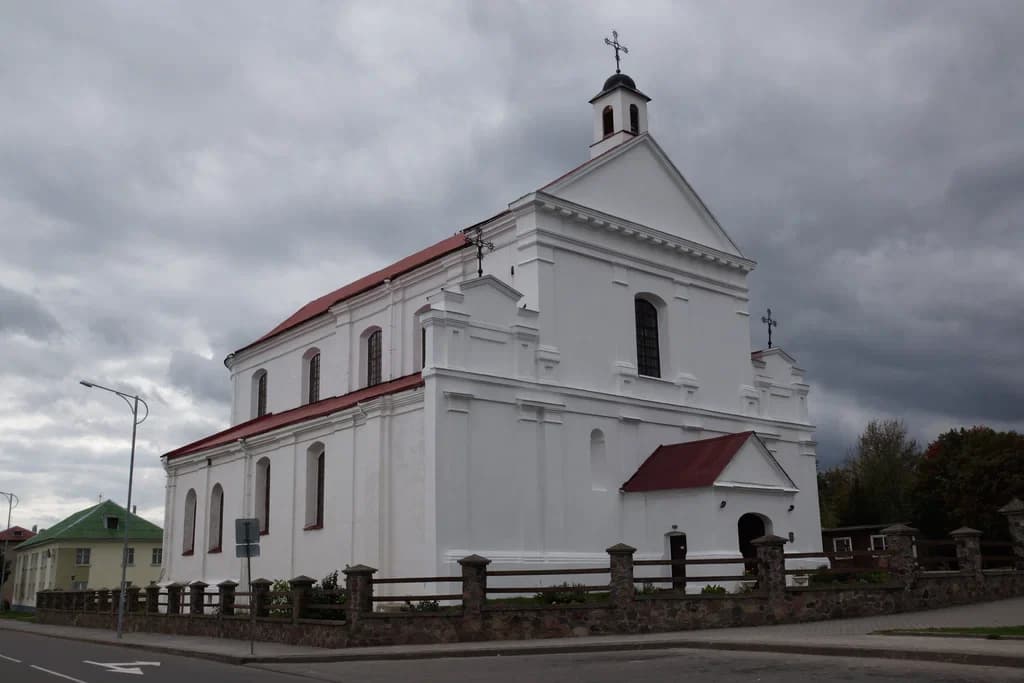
568,593
825,577
326,592
422,606
648,588
713,589
280,605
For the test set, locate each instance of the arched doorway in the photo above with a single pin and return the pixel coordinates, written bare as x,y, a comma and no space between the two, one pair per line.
749,527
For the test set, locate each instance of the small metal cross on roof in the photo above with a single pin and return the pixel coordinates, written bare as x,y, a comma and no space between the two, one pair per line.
770,322
480,243
618,46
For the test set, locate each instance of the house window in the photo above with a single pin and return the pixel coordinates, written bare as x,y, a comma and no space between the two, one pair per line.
634,119
259,393
263,494
216,518
648,352
842,545
188,536
311,376
110,522
315,462
82,556
158,557
878,542
607,121
373,358
129,556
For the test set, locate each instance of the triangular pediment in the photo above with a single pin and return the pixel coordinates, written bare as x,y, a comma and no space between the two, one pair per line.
754,467
637,181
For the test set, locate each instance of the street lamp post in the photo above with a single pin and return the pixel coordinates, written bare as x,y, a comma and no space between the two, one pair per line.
12,502
133,402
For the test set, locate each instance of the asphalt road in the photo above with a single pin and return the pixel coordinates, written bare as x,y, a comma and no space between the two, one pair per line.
30,658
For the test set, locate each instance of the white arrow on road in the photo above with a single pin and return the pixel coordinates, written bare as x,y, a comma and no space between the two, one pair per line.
134,668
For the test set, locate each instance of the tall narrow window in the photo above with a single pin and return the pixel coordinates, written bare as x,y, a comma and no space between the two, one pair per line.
188,535
263,494
608,121
373,358
423,347
648,354
634,119
259,393
311,376
315,473
216,518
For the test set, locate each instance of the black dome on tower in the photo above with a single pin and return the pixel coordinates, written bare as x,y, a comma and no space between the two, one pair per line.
618,79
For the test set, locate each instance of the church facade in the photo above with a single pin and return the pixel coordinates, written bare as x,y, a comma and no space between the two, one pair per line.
594,385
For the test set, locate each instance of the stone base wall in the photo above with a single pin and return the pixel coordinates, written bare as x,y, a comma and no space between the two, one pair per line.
641,614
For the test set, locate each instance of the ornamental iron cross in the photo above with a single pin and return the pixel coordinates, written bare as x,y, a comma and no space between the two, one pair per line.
770,322
480,243
618,46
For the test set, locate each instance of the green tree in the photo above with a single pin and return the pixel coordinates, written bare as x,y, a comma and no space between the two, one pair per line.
965,476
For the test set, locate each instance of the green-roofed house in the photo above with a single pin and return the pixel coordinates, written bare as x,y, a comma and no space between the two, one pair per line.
84,551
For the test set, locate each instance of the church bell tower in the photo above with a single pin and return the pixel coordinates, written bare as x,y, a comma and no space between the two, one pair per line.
620,110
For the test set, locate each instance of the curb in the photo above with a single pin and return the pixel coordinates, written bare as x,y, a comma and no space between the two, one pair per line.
946,656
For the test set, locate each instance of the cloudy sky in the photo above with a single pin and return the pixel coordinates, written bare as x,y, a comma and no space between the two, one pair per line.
176,178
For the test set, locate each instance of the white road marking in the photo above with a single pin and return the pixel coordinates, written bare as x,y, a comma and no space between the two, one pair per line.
10,659
54,673
133,668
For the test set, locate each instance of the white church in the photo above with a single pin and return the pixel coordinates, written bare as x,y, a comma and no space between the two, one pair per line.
594,385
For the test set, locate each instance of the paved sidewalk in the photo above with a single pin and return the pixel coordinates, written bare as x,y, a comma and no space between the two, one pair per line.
845,637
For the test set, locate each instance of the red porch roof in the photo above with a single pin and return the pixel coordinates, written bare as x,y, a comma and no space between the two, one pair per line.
273,421
686,465
16,534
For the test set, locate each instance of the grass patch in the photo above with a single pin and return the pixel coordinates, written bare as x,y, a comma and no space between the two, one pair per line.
18,616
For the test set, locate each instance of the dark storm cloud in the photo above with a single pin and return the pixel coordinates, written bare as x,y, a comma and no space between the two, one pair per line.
20,312
175,180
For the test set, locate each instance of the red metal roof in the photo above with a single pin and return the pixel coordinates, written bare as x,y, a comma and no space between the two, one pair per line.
16,534
273,421
686,465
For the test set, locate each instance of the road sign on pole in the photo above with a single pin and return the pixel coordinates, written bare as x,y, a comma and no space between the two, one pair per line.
247,545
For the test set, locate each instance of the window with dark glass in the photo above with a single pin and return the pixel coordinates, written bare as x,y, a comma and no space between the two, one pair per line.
423,347
314,379
608,121
373,358
648,355
216,518
320,490
265,522
261,395
189,531
634,119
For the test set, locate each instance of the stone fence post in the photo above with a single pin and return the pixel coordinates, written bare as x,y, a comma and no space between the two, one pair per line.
302,595
359,588
259,601
174,598
1014,512
899,539
968,551
771,566
152,599
227,597
474,584
196,596
622,587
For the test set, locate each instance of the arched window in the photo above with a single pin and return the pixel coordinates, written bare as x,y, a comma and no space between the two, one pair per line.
423,347
648,352
419,355
259,393
188,536
634,119
598,462
373,357
315,486
311,376
216,518
263,494
608,121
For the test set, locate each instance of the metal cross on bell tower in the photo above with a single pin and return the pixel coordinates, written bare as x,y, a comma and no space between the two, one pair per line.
770,322
618,46
478,241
